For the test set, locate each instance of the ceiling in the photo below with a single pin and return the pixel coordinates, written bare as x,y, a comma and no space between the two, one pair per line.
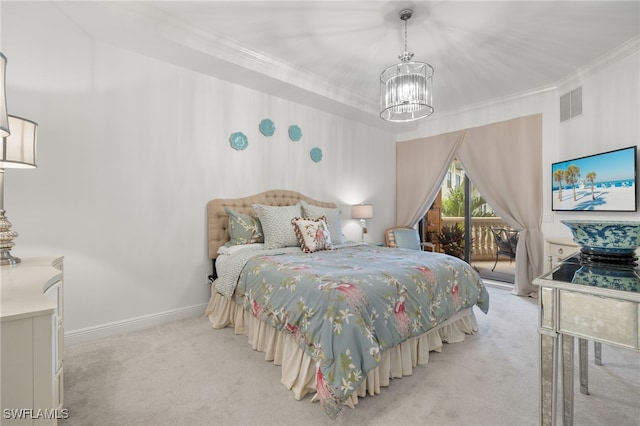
329,54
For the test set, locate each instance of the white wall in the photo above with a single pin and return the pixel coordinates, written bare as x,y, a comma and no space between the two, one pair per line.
130,149
610,120
611,107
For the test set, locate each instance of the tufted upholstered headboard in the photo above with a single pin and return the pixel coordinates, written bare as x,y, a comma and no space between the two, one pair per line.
218,220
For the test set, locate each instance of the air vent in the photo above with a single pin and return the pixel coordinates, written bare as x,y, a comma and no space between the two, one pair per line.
571,104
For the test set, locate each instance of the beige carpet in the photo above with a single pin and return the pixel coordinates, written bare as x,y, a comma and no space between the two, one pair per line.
186,373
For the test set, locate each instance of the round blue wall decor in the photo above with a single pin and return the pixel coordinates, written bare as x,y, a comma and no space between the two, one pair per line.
295,133
238,141
316,154
267,127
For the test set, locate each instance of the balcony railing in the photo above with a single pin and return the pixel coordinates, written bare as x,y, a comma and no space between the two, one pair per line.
483,246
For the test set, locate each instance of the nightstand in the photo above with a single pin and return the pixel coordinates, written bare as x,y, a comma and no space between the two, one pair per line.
558,249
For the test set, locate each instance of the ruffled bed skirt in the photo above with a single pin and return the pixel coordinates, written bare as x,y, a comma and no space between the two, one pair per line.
299,369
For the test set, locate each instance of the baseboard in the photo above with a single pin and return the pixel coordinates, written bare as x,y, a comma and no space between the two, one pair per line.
497,284
133,324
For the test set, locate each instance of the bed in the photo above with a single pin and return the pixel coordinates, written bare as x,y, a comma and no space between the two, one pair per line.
340,318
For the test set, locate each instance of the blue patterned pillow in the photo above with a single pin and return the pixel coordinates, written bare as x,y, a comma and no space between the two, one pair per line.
332,217
276,225
243,229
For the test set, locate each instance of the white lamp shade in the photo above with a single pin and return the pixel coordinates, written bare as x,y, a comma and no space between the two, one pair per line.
362,211
4,118
18,150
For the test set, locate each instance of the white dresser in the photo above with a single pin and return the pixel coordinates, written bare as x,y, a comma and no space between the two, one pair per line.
32,342
558,249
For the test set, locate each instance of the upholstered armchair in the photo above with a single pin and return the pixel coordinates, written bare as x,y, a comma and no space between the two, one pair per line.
405,237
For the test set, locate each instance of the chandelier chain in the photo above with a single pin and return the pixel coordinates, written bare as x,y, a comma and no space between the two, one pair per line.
405,36
405,15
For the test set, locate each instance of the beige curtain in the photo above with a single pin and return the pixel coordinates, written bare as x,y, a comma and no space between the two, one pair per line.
504,161
421,165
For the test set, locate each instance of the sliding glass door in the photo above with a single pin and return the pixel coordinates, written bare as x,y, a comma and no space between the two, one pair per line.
466,225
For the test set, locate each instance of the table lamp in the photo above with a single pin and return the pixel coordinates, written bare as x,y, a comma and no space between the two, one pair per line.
362,212
4,118
18,150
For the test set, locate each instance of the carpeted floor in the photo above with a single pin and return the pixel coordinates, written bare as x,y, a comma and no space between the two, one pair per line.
186,373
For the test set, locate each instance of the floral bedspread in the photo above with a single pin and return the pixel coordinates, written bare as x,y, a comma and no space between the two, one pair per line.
345,306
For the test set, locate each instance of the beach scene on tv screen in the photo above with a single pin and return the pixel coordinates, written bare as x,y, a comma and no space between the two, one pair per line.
600,182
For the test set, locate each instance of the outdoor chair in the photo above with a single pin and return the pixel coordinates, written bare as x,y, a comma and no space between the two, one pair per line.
506,242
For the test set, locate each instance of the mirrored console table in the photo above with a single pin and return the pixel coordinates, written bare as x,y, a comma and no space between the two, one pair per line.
588,301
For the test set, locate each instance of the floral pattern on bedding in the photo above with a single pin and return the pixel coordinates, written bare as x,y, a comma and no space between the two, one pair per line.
344,307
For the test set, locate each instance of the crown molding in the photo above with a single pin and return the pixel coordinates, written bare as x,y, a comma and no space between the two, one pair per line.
149,31
217,46
628,48
152,32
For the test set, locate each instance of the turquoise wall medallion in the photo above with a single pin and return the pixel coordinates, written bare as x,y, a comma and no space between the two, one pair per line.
295,133
316,154
267,127
238,141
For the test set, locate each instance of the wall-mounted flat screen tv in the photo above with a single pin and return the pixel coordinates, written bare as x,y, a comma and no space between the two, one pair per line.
601,182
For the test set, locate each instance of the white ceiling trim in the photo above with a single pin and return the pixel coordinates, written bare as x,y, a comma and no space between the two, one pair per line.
130,26
155,33
630,47
626,49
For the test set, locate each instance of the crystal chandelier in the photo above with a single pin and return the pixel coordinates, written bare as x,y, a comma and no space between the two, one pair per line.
406,88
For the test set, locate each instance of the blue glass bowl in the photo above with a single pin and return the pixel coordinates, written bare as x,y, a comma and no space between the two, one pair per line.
602,237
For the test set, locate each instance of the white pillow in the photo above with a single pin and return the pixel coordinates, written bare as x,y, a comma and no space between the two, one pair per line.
332,216
276,225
